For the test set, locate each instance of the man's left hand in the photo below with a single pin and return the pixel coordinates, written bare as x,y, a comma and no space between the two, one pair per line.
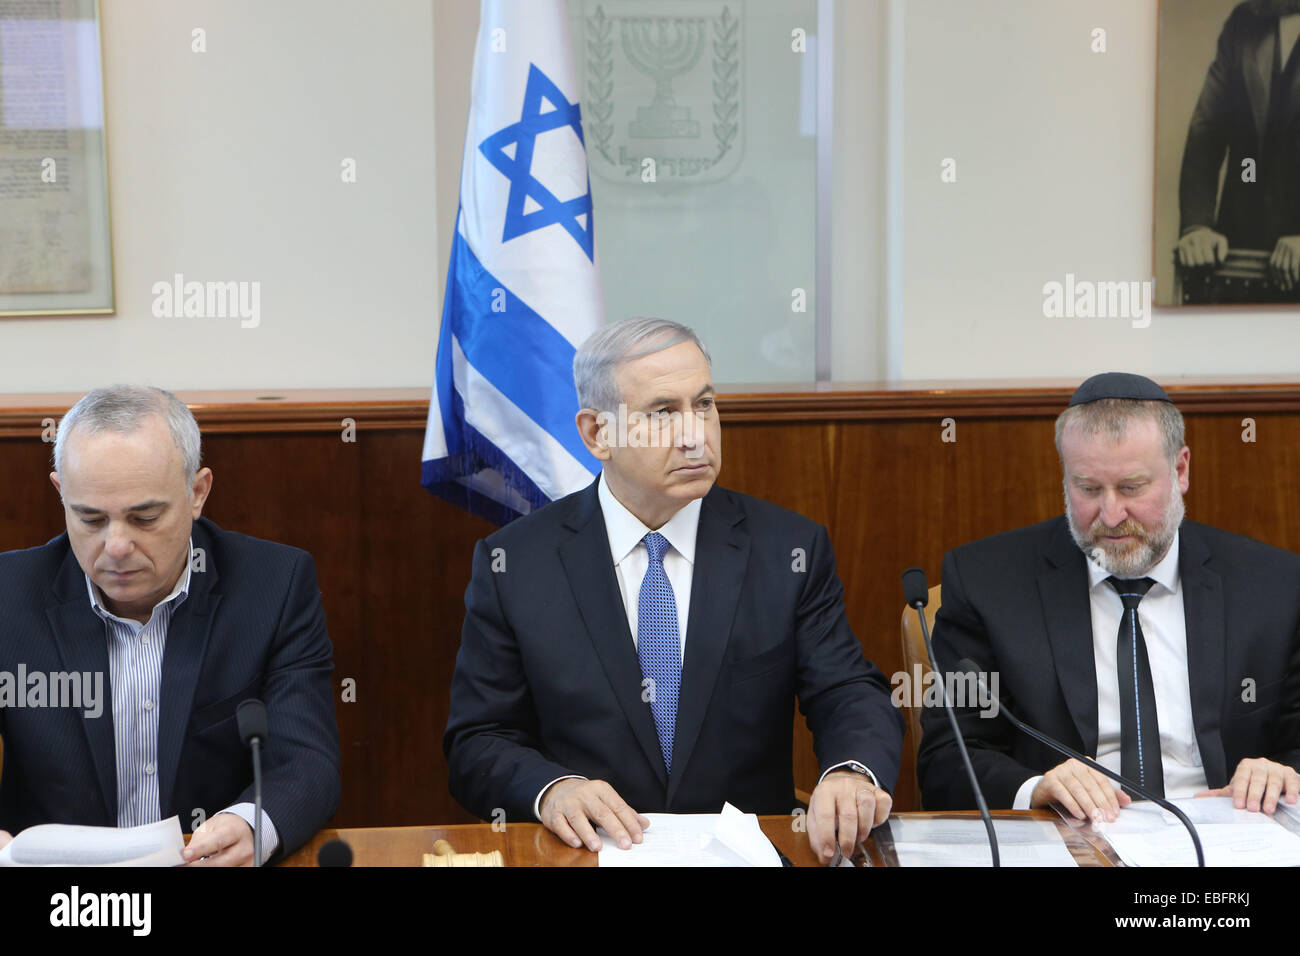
849,800
1284,263
1258,783
223,840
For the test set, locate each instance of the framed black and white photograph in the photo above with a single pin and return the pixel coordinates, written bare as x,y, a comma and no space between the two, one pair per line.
1227,197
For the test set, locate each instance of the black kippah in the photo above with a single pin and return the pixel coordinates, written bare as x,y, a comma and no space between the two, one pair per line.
1119,385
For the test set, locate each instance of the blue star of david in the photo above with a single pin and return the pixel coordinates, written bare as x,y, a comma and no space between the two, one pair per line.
518,169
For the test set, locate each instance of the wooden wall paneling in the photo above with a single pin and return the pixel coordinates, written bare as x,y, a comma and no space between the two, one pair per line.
393,561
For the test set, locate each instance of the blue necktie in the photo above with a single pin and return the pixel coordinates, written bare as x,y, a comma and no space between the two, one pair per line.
658,643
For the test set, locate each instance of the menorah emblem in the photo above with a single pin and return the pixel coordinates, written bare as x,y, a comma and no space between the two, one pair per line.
662,48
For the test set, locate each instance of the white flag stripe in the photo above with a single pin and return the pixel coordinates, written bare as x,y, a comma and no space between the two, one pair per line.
528,445
535,33
550,292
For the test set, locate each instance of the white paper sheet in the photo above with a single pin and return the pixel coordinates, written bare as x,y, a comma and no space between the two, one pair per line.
729,838
1143,816
966,843
1147,835
54,844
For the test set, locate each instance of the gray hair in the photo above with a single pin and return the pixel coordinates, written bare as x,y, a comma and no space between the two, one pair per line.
124,408
598,359
1111,416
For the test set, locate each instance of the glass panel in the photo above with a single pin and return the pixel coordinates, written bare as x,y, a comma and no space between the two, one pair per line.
700,124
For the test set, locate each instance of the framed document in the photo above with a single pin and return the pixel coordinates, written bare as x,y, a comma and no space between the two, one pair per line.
55,239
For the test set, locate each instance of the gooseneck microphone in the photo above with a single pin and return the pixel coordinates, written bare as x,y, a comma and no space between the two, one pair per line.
251,718
917,594
967,666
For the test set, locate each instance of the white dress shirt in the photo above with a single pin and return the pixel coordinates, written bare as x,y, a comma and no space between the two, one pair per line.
1164,630
135,659
631,561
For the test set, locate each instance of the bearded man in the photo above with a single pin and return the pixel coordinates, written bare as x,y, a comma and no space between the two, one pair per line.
1167,650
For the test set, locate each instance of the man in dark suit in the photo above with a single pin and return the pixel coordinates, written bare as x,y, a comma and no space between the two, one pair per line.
640,644
181,622
1169,651
1249,109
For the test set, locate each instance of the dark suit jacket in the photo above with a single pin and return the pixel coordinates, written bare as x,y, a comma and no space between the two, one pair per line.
1017,603
251,626
1232,118
547,681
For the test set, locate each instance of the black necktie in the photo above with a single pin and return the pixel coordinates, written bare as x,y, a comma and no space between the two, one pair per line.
1139,729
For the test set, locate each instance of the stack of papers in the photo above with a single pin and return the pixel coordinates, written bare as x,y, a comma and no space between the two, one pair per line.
965,842
56,844
1146,835
729,838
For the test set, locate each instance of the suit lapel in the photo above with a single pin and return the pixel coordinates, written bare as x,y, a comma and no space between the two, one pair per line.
1206,649
721,556
1063,587
82,643
1258,68
590,570
187,642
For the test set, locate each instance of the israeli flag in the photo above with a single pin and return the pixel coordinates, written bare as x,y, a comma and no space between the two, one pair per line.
523,284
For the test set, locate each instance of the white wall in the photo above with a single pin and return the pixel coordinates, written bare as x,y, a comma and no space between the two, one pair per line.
225,165
1054,150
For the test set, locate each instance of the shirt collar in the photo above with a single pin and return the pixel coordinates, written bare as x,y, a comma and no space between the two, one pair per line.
179,593
1165,572
625,529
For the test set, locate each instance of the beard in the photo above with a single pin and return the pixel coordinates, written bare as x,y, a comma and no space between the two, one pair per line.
1132,559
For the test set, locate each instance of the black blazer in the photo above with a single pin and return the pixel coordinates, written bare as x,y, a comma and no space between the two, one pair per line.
1018,603
547,681
252,626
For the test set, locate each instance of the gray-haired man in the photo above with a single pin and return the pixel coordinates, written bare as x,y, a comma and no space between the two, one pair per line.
186,621
643,648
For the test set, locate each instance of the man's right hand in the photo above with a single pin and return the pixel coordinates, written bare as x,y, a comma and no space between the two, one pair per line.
1081,790
1201,247
4,838
572,809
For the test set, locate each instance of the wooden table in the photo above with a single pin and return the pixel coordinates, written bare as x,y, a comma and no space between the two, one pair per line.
531,844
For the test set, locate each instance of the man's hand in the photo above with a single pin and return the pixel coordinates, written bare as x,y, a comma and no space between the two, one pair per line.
222,840
1285,262
847,799
1259,779
4,838
1201,247
1081,790
570,807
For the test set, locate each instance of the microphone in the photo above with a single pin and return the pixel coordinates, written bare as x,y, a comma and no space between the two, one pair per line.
334,853
917,594
251,718
967,666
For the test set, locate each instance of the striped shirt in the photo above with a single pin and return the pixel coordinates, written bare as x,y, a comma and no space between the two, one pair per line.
135,657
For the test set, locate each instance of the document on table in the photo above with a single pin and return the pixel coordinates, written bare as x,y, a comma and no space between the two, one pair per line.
1146,835
56,844
729,838
930,842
